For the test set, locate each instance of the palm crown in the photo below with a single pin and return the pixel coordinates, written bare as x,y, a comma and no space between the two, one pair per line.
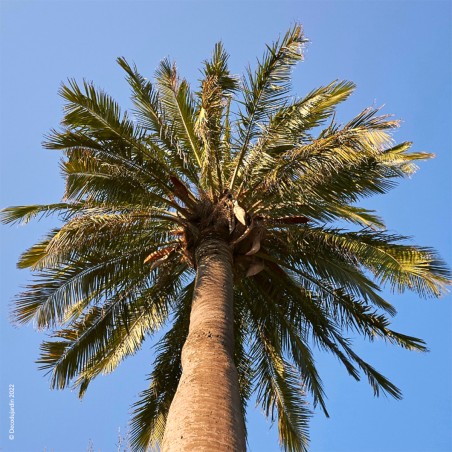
243,161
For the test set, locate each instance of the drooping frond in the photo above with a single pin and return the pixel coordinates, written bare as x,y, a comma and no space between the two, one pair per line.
23,214
150,412
58,291
401,265
339,274
100,339
278,386
321,321
276,312
143,318
242,359
86,259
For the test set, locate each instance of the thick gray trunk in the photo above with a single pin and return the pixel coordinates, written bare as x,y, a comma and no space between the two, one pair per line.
205,414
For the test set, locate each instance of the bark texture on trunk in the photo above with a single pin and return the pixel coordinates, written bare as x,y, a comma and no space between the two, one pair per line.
205,414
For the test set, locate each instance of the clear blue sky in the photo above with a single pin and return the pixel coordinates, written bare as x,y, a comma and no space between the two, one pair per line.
398,53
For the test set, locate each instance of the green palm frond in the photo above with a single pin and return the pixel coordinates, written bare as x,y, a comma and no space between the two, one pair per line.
99,116
378,382
23,214
94,179
265,297
311,111
150,412
83,341
291,126
336,169
278,389
344,311
326,332
402,266
85,235
313,272
325,318
179,106
242,359
99,339
266,90
96,120
151,116
216,87
356,315
143,318
75,141
57,290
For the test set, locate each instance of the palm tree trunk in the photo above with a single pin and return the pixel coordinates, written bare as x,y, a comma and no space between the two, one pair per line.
206,414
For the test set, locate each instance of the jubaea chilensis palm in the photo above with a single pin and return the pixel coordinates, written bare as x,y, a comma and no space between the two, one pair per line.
216,213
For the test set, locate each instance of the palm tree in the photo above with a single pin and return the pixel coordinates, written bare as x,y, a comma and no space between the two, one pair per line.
220,214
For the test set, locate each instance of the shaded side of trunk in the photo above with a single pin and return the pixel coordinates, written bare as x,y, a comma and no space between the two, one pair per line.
205,414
